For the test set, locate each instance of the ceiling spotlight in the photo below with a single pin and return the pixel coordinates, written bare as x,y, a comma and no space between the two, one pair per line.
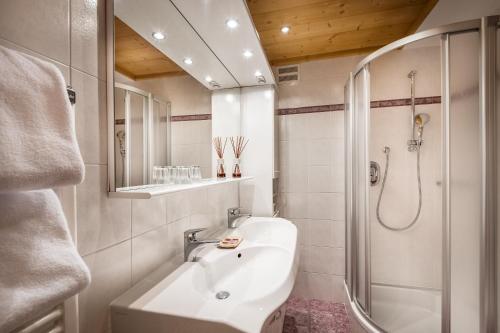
285,29
258,73
158,35
247,54
232,23
188,61
208,78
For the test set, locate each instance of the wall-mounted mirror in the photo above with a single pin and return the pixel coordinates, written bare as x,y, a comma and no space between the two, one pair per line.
161,112
166,58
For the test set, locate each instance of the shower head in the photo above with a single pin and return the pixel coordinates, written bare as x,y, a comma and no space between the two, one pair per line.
120,135
421,119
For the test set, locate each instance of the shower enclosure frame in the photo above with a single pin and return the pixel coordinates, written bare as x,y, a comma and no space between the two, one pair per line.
147,140
487,28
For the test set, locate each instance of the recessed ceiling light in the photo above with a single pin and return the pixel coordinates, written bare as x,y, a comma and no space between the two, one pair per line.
158,35
232,23
258,73
188,61
247,54
285,29
208,78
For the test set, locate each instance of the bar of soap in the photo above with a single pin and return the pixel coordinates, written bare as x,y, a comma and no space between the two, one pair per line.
230,242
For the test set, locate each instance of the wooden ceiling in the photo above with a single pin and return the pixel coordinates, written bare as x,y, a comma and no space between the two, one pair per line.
329,28
136,58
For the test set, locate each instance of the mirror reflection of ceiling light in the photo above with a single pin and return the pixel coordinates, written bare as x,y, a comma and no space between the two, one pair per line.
158,35
285,29
208,78
247,54
232,23
229,98
188,61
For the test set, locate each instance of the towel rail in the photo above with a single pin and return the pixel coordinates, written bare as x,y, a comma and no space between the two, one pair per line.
71,94
50,323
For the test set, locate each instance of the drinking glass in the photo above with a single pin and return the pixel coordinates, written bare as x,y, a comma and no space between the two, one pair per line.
156,175
196,173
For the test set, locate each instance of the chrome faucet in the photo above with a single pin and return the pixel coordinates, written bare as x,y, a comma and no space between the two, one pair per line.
234,216
191,242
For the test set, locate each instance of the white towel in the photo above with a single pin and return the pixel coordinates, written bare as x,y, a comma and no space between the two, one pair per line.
38,147
39,265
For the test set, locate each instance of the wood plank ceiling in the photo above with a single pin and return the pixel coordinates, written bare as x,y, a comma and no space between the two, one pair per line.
329,28
136,58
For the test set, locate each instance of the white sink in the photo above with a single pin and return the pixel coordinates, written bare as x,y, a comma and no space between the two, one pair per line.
258,277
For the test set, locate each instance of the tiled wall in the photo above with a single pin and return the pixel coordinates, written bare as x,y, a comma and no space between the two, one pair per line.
151,234
312,175
311,195
120,239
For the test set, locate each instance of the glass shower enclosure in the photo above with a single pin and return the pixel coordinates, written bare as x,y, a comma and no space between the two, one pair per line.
421,132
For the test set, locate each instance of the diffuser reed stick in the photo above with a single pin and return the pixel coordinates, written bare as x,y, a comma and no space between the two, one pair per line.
219,149
238,143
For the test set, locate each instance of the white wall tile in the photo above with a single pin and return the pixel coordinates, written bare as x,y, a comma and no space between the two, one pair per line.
148,214
319,152
303,230
149,251
320,125
91,121
101,221
177,206
322,259
38,27
176,235
321,232
294,205
297,126
111,276
88,37
320,178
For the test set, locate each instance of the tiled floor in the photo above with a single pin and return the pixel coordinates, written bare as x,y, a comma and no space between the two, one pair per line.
315,316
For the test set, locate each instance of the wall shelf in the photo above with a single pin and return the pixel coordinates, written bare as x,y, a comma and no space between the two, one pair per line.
154,190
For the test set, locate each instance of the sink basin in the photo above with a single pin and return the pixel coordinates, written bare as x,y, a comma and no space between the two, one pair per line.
225,290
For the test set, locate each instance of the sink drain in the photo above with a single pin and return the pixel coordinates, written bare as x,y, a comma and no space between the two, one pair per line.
222,294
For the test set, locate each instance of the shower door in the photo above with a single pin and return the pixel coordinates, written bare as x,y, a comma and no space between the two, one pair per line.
420,233
142,135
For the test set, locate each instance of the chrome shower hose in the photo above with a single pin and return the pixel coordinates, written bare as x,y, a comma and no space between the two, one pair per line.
386,152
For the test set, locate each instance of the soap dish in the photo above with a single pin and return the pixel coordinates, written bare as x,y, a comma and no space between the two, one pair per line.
230,242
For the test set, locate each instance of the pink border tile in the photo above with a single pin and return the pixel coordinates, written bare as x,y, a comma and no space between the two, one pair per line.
373,105
191,117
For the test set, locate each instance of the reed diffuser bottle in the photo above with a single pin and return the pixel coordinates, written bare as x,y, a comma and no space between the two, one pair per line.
238,143
219,149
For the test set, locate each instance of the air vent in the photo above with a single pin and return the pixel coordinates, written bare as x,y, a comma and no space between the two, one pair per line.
288,74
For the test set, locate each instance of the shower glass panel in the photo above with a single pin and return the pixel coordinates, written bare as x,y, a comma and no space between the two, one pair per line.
348,135
465,181
137,111
160,133
422,155
142,135
498,198
361,94
405,203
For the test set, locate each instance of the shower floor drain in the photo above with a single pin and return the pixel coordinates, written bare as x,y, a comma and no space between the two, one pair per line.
222,294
